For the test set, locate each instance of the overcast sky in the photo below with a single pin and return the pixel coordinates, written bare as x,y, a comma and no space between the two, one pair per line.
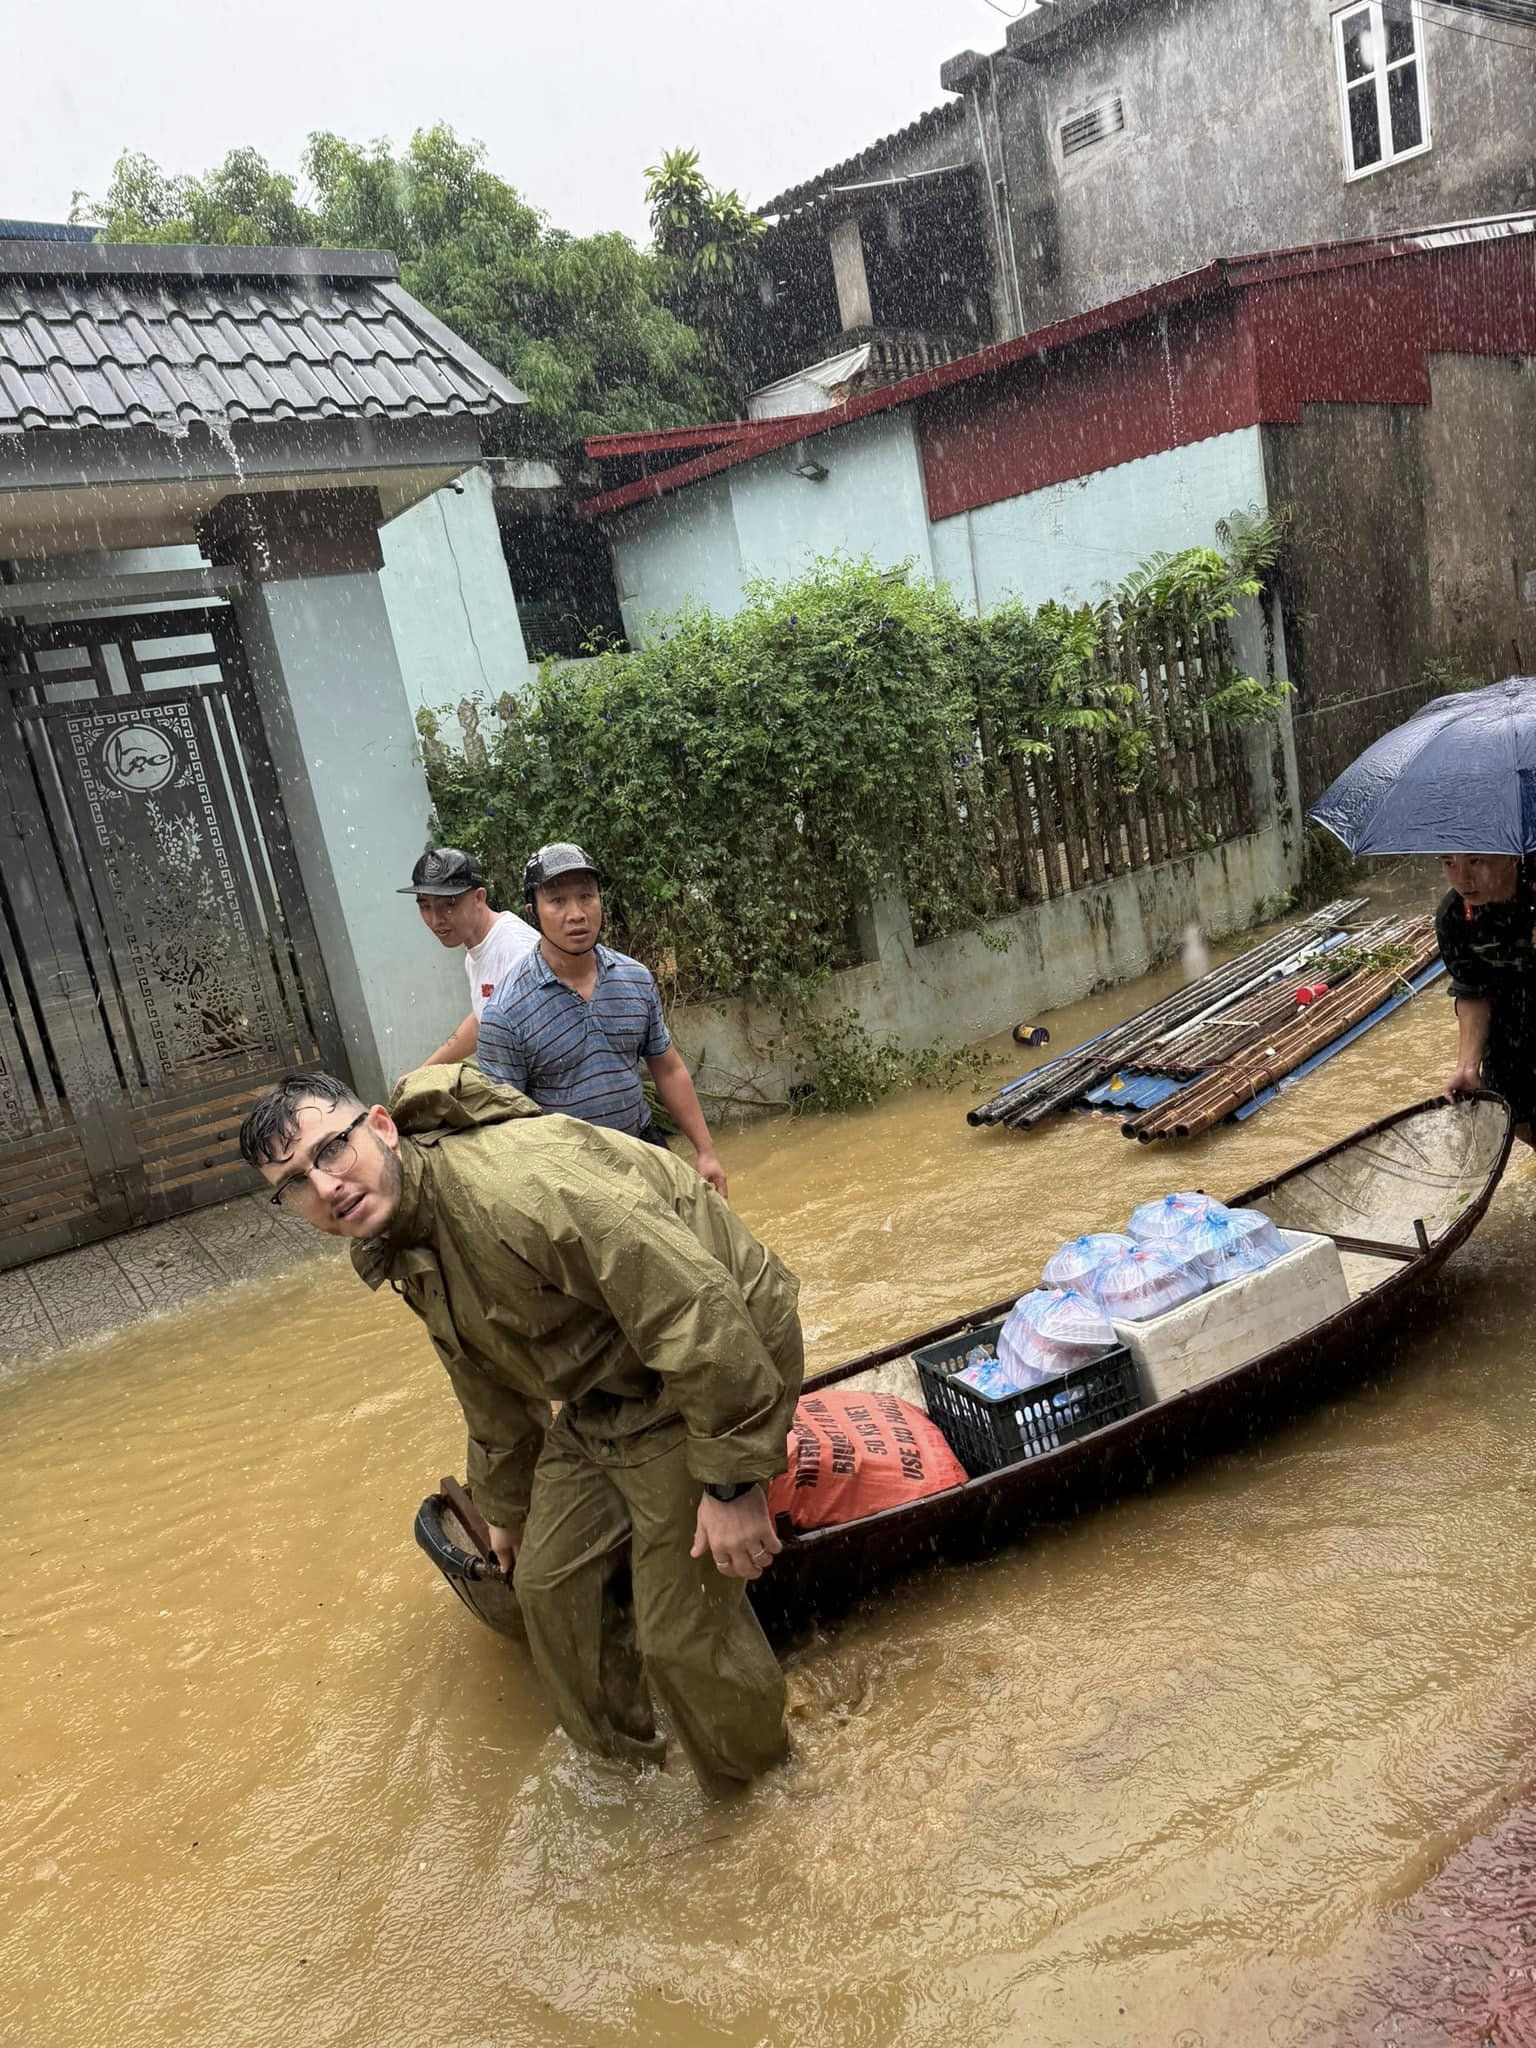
573,98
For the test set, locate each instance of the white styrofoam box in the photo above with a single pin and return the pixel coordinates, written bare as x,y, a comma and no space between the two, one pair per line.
1239,1320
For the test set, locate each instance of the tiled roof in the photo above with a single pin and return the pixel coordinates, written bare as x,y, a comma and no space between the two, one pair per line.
937,118
103,336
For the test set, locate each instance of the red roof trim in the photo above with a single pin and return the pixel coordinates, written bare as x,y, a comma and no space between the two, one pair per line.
610,447
1225,277
985,362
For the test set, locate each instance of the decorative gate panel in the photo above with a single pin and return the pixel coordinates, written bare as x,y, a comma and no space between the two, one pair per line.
158,961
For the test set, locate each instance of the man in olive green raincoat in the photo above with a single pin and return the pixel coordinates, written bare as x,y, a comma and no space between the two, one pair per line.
553,1260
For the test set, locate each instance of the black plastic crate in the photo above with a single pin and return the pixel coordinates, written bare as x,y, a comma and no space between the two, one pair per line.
985,1431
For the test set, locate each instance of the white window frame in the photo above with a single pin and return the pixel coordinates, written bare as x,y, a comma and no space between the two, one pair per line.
1380,74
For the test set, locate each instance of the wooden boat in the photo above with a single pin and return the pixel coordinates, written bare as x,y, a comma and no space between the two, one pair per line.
1398,1198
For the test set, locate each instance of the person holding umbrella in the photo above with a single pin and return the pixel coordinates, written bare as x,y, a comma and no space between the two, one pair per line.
1486,925
1458,779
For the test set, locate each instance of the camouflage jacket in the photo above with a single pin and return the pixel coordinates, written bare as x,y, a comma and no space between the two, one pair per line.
1490,956
552,1260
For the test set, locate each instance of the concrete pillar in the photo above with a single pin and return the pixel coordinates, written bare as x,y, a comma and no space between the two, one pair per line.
846,246
338,724
883,929
451,604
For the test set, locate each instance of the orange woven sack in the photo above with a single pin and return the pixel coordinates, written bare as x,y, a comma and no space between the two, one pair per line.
852,1454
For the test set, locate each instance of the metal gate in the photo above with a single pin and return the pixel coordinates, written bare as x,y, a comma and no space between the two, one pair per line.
158,966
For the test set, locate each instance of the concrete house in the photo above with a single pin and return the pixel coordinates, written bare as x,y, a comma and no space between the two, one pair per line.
1381,392
1112,144
228,527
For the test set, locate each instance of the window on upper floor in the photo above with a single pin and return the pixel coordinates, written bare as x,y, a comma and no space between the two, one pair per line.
1380,47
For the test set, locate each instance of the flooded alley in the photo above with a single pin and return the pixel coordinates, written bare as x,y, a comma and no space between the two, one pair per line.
1146,1778
686,567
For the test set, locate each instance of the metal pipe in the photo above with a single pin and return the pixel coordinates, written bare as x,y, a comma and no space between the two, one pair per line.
1002,159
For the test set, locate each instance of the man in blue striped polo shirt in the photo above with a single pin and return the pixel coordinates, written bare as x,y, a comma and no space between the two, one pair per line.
569,1024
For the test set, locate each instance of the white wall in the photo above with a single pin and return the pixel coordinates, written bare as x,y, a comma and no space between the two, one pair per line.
333,701
673,552
1074,540
702,544
871,500
962,988
450,601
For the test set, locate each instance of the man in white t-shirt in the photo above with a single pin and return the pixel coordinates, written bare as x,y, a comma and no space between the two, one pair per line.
450,894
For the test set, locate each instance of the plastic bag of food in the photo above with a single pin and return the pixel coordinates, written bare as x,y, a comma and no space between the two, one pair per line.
1075,1264
1052,1331
1224,1249
852,1454
1147,1281
985,1371
1260,1232
1156,1222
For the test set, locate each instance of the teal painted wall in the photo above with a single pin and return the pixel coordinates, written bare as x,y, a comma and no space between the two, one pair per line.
1074,540
871,500
701,545
333,702
450,601
673,552
1071,541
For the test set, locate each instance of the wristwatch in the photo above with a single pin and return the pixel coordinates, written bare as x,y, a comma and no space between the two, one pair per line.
730,1493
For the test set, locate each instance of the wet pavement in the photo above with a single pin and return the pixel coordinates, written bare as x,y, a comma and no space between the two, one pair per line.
85,1294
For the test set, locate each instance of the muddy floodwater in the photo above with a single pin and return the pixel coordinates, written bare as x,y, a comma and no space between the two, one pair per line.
1149,1777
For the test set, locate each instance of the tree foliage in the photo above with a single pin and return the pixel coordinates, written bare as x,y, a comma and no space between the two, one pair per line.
708,237
594,330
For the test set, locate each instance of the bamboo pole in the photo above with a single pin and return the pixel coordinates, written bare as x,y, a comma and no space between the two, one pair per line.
1197,1108
1175,822
1001,824
1044,771
1062,766
1038,881
1086,749
1025,1102
1152,823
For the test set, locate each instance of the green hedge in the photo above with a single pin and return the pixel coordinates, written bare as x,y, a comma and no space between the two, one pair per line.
746,783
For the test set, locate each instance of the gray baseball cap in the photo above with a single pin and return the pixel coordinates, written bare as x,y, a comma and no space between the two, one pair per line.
445,871
561,857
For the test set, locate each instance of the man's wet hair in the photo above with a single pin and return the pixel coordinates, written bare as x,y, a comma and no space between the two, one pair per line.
273,1122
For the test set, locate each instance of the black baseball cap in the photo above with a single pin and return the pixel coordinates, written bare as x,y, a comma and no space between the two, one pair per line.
445,871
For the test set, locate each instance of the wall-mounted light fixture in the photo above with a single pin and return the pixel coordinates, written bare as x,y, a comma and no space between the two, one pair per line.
813,472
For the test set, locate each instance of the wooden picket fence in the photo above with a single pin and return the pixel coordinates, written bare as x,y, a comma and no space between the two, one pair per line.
1045,825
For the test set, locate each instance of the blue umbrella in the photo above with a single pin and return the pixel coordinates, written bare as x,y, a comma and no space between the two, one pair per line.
1458,777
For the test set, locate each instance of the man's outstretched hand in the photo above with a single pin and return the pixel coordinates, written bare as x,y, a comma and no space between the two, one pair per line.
738,1534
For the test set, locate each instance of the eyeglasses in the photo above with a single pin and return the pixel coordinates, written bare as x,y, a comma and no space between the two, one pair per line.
334,1156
